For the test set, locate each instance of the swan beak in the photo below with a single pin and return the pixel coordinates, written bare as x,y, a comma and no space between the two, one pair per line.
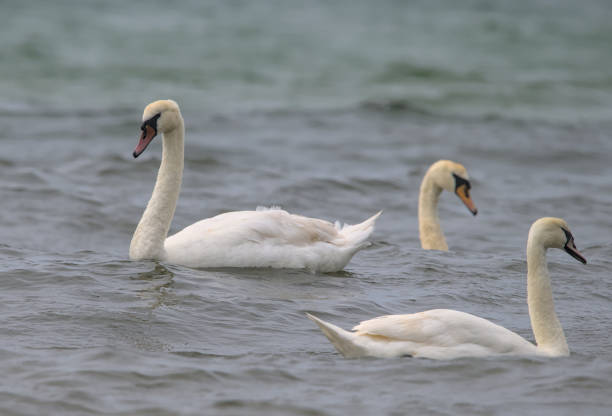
148,134
571,249
463,194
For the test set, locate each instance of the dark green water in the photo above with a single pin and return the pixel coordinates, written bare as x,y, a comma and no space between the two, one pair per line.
332,110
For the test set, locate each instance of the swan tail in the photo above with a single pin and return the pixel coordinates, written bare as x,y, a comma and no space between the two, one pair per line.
343,340
356,236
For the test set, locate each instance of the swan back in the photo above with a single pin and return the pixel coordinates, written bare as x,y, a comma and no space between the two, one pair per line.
267,238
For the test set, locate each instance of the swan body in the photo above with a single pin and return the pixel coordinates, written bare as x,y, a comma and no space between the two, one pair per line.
261,238
271,238
442,175
447,334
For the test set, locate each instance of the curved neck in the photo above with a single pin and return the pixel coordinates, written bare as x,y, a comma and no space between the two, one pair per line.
152,230
430,231
546,327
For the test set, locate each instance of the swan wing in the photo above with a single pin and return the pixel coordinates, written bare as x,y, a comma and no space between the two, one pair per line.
258,227
267,238
444,333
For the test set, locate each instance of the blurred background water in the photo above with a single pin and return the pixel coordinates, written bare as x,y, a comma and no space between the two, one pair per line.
329,109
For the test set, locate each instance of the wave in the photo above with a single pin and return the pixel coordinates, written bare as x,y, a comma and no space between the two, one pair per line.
402,71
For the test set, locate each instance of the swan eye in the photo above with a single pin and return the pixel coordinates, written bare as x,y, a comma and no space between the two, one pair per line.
152,122
568,236
459,182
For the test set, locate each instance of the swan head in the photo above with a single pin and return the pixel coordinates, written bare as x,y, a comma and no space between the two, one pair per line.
453,177
552,232
159,116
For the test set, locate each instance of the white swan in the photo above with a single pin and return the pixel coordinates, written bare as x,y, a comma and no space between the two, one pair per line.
445,334
442,175
262,238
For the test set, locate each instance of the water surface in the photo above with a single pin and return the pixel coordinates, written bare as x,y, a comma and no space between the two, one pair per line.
329,110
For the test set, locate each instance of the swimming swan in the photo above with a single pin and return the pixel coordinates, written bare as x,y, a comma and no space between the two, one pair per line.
262,238
445,334
442,175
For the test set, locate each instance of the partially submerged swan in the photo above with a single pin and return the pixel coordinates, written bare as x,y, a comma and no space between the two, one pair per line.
442,175
262,238
445,334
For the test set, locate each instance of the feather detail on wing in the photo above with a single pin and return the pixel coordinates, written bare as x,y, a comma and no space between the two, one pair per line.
267,238
279,226
443,328
417,327
271,225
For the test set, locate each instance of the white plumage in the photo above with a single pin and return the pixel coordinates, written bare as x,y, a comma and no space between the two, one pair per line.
272,238
445,333
437,334
261,238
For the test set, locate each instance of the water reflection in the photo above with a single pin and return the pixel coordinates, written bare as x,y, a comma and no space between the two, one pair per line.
159,292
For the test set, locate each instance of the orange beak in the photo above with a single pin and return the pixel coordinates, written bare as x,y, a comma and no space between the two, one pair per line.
463,194
148,133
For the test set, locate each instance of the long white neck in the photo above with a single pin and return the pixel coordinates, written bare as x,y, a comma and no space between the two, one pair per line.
430,231
546,327
152,230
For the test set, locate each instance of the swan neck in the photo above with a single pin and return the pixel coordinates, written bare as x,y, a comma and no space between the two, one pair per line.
546,327
430,232
152,230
